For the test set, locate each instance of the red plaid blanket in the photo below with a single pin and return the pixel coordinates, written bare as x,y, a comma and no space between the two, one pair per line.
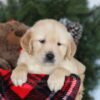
36,88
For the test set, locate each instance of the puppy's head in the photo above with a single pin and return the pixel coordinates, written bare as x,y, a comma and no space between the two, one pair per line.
48,42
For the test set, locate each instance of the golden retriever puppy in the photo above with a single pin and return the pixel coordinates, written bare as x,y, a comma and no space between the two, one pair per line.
48,48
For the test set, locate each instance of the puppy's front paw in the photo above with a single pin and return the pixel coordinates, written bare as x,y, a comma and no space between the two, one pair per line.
18,77
56,82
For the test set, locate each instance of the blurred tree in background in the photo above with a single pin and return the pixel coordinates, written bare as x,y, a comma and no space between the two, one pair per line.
29,11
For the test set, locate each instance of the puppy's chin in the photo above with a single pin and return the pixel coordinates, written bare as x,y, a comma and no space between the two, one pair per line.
47,63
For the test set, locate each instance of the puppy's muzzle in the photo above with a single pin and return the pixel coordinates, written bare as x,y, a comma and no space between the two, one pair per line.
49,57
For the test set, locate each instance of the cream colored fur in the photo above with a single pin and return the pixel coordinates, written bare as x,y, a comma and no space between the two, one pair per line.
33,52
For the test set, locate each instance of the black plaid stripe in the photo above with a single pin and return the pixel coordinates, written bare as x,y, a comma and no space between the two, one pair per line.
41,84
6,92
43,87
76,87
3,85
59,95
40,90
35,95
35,79
10,95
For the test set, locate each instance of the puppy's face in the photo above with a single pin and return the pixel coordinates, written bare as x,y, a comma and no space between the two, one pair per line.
48,42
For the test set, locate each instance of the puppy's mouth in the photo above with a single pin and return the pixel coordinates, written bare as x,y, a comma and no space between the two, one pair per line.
49,61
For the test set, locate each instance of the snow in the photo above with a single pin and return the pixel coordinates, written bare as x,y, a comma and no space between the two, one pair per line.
93,3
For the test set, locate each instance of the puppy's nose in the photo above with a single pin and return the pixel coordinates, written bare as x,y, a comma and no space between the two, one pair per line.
50,56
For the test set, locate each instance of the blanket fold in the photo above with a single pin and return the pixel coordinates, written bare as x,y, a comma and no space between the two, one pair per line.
36,88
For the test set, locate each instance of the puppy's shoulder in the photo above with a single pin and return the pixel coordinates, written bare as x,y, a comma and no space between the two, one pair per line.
81,67
23,57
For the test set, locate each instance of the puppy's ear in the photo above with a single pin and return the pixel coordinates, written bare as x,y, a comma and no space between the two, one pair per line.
71,49
26,42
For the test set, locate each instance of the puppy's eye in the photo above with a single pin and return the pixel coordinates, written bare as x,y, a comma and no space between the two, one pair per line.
59,44
42,41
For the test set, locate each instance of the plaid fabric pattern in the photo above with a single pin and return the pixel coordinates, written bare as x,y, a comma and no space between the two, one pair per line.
36,88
